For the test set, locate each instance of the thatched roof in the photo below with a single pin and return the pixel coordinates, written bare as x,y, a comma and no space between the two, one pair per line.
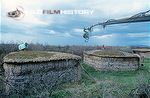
37,56
110,53
141,50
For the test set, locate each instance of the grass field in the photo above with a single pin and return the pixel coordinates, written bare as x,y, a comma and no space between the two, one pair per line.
96,84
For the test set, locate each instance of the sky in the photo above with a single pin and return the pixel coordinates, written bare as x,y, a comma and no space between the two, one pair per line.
68,29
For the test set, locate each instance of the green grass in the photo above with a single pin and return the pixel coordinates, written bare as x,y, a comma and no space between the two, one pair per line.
108,53
94,84
29,54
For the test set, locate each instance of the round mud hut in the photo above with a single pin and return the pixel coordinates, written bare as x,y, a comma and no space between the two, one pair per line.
143,53
27,70
111,60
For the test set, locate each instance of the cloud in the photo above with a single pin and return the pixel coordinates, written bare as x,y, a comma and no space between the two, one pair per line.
68,29
117,9
78,30
53,33
138,35
107,36
97,30
30,19
19,38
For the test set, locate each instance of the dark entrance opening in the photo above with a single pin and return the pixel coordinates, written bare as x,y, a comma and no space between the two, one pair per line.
143,95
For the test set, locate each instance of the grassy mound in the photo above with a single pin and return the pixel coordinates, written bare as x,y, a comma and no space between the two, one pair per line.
108,53
29,54
37,56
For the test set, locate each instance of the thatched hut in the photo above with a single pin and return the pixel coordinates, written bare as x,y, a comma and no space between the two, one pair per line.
25,70
110,60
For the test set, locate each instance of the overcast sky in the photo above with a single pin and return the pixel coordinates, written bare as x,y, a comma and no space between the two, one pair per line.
68,29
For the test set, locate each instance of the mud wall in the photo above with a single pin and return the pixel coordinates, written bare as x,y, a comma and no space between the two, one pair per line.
112,63
24,77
